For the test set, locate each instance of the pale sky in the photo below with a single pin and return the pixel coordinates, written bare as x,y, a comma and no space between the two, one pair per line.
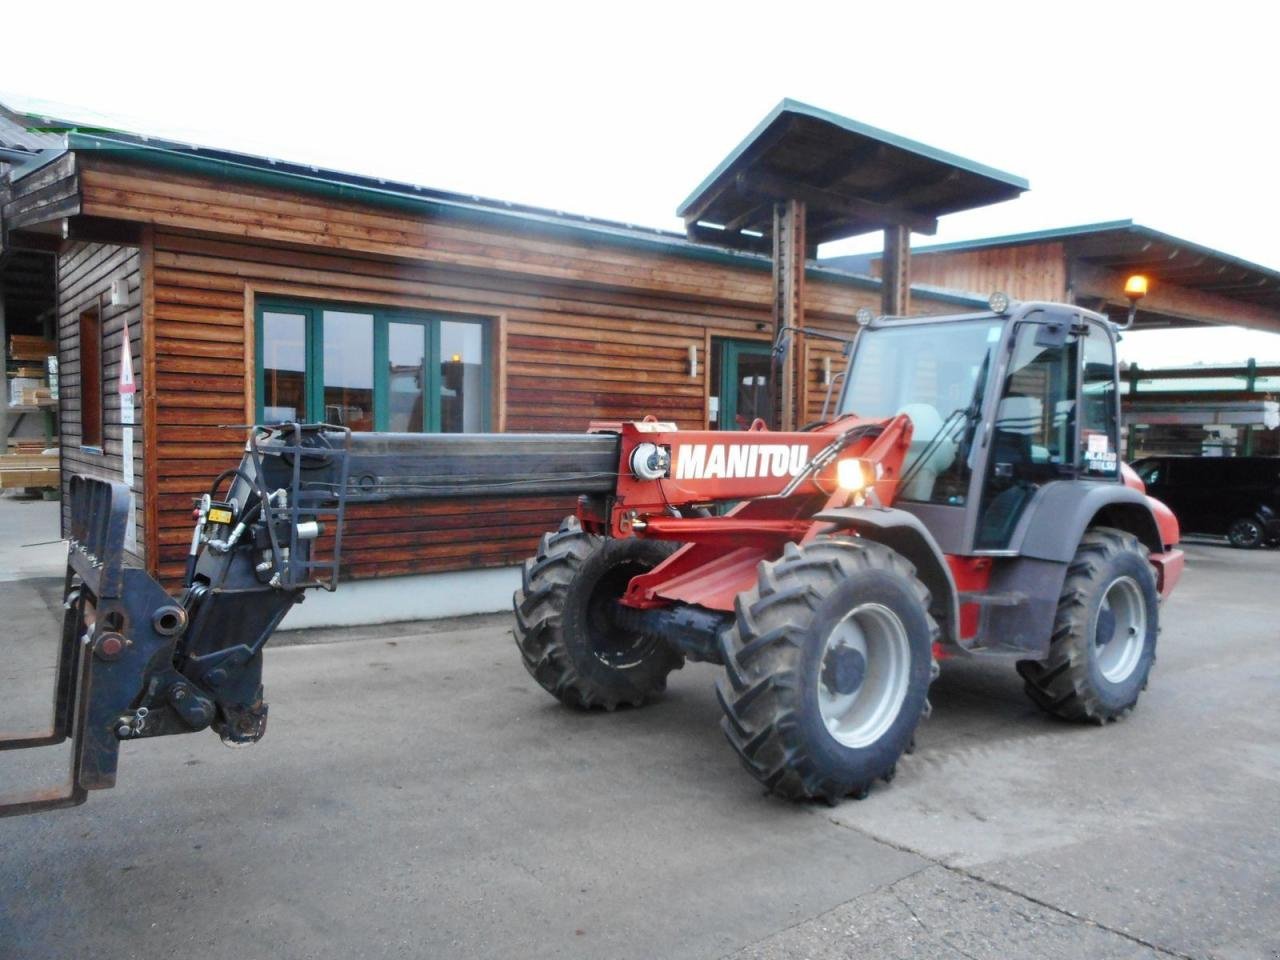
1160,112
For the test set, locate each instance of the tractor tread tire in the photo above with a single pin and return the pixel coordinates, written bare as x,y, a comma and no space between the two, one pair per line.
763,649
547,580
1062,684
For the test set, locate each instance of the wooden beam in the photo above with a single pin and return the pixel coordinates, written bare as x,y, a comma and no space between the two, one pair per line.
762,211
726,238
895,285
840,165
1173,301
881,214
99,230
20,240
788,302
918,186
150,446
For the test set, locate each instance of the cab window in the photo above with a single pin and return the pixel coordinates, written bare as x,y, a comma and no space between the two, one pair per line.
1033,436
1099,428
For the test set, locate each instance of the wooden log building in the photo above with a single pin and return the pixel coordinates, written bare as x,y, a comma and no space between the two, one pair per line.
250,290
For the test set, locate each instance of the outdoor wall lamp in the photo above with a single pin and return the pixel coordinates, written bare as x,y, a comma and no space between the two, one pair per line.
1135,288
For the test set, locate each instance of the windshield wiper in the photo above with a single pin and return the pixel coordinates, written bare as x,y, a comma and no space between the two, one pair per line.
962,419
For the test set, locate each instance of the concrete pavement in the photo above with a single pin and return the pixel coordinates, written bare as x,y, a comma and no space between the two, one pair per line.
419,796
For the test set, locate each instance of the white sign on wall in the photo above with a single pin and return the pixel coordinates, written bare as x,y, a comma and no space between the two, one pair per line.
127,388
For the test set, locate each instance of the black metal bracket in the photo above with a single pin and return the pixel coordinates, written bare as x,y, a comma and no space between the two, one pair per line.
299,568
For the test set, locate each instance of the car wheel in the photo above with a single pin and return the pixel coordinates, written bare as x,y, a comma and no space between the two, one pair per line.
1245,533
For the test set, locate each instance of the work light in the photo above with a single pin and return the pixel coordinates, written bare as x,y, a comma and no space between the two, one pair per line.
854,475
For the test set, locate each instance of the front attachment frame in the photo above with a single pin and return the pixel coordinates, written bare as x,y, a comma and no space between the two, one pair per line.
111,639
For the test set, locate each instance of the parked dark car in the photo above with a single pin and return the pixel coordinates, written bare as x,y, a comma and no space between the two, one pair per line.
1236,497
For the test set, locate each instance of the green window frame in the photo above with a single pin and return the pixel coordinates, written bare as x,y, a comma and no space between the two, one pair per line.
730,351
431,322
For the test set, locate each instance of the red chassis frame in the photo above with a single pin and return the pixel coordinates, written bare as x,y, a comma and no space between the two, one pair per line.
720,555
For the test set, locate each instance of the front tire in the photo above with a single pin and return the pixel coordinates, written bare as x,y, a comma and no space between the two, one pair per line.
1104,637
1245,533
564,628
827,668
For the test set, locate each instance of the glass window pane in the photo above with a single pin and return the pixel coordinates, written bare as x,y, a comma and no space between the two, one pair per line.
348,369
284,366
461,377
1099,433
1033,436
936,375
406,377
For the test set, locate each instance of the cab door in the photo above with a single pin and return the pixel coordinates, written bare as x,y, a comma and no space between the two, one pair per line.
1031,439
1057,418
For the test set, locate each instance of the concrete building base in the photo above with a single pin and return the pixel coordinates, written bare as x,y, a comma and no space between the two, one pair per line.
423,597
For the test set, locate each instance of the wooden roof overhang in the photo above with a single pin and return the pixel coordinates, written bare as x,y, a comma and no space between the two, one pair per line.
1190,284
853,179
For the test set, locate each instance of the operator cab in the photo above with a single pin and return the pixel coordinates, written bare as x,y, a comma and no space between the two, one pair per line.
1002,403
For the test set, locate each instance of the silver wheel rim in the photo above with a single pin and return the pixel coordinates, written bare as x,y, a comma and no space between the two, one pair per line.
872,643
1245,531
1122,629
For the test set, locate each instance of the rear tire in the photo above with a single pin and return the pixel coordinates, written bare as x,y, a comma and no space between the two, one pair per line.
564,631
1245,533
827,668
1104,637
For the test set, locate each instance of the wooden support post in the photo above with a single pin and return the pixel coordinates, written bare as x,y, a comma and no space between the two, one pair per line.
788,304
4,376
895,289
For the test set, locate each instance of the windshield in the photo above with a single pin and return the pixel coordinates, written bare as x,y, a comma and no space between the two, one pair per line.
936,374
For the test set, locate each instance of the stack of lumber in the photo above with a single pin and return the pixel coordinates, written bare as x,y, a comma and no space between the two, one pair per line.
31,446
35,396
22,347
20,470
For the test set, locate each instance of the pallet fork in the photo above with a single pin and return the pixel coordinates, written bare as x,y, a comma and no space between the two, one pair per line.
116,621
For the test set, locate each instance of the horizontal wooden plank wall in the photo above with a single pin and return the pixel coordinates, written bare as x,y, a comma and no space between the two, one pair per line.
1034,271
47,194
85,274
591,329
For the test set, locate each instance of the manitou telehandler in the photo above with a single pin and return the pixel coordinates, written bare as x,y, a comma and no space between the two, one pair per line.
965,498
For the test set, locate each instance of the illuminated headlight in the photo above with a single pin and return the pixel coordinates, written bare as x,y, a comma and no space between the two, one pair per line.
650,461
855,475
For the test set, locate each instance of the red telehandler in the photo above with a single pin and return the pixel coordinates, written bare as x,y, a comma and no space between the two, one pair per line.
966,498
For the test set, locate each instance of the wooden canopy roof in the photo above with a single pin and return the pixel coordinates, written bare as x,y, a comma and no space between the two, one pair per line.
1190,283
853,179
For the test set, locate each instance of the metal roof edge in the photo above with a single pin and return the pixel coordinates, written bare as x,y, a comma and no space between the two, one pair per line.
38,161
1031,236
787,105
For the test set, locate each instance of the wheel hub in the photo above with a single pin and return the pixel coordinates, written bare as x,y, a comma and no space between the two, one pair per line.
1106,625
1121,633
843,670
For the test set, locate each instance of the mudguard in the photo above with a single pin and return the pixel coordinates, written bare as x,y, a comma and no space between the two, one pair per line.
905,533
1061,512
